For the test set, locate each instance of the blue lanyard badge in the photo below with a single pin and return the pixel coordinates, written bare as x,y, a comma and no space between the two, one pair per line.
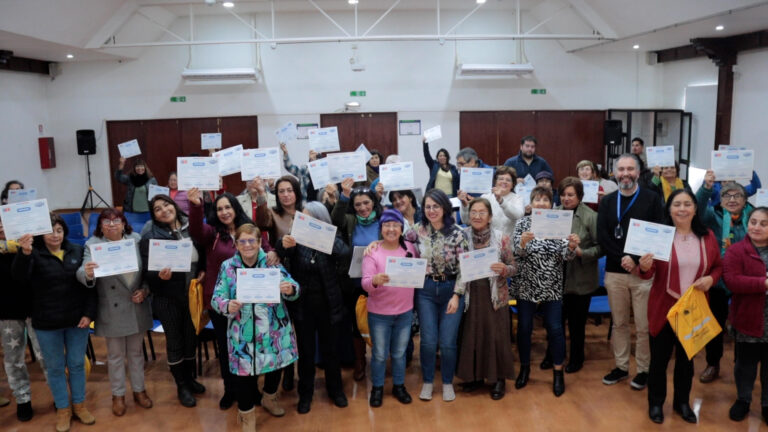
618,232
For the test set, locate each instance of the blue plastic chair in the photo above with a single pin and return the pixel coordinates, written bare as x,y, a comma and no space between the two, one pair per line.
137,220
93,219
72,219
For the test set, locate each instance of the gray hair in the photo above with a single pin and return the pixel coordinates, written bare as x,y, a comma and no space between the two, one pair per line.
629,156
393,158
731,186
318,211
468,154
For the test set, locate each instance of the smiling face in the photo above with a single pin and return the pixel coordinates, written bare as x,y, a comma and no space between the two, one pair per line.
733,200
541,202
112,228
225,212
140,169
586,173
402,203
433,211
363,205
286,194
391,231
681,210
757,228
669,173
442,158
164,212
375,161
53,240
248,246
504,183
479,216
173,182
627,173
569,198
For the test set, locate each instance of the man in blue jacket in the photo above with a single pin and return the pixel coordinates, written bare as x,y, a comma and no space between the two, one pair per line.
526,162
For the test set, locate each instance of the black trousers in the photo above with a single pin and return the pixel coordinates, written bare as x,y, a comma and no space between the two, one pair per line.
316,319
748,355
220,329
247,388
718,303
575,311
180,338
661,351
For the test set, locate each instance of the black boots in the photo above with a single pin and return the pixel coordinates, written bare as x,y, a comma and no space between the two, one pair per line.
377,394
558,382
186,398
522,377
498,389
401,394
189,371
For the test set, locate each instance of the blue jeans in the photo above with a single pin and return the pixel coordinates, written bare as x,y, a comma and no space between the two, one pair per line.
390,334
65,349
438,327
553,321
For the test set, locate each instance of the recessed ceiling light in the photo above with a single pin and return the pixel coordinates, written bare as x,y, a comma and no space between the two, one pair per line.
70,56
635,46
228,4
720,28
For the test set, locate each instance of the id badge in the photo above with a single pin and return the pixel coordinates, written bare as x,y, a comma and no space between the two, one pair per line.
618,232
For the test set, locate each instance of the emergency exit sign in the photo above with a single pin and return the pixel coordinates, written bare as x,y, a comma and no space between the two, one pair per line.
539,91
357,93
178,98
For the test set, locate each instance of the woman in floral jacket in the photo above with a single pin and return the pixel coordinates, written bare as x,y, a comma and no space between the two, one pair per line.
261,340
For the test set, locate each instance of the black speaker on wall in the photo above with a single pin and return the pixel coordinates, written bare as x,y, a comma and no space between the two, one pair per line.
612,132
86,142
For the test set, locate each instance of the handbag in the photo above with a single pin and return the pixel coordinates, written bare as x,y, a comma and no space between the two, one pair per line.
361,313
197,311
693,321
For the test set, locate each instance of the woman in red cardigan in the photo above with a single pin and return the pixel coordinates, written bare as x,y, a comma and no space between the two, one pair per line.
744,271
694,263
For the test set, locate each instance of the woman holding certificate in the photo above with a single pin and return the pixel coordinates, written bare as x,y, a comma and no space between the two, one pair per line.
694,264
506,205
539,283
441,302
260,337
486,353
170,301
279,219
666,181
443,174
138,182
123,315
62,310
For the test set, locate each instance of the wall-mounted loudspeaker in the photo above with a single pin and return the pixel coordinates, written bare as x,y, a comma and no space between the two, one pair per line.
612,132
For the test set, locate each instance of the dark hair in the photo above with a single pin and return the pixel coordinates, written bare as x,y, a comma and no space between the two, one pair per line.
573,182
677,169
443,201
4,195
296,192
141,162
482,201
530,138
541,191
38,241
762,209
162,197
638,139
406,193
370,194
377,153
240,217
447,155
697,226
502,170
111,213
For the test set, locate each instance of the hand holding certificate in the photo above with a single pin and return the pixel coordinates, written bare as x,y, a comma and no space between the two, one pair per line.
661,156
433,134
313,233
198,172
648,237
761,198
129,149
356,265
476,264
324,140
27,217
346,165
476,180
258,285
210,141
19,195
319,173
114,258
406,272
157,190
230,160
264,163
287,133
397,176
551,224
591,189
173,254
364,150
733,164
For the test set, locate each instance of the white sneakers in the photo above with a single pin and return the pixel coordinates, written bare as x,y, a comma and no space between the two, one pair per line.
426,392
448,393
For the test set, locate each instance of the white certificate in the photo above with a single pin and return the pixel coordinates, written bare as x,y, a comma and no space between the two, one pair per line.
356,266
157,190
524,192
726,147
397,176
313,233
406,272
129,149
114,258
258,285
433,134
318,172
230,160
648,237
26,217
591,188
287,133
346,165
761,198
173,254
264,163
529,181
733,164
198,172
364,150
661,156
477,264
324,140
476,180
551,224
19,195
210,141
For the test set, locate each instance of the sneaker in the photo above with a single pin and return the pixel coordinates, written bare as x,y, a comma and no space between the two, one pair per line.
739,410
24,411
448,393
615,376
639,381
426,392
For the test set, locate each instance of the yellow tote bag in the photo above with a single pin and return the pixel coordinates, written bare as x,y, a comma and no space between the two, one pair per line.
196,307
693,321
361,312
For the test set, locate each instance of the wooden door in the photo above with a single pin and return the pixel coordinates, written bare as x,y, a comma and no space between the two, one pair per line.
378,131
478,130
347,127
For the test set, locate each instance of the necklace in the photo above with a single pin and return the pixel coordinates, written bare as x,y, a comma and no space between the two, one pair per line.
312,257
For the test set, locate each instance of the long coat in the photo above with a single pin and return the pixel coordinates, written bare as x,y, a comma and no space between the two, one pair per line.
116,314
582,274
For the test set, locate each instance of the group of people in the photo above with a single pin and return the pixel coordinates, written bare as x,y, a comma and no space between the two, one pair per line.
720,247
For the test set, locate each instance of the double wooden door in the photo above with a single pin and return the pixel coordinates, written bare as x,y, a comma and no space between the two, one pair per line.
378,131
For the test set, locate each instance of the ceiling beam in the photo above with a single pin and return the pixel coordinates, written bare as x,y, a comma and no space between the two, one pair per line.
21,64
588,14
712,47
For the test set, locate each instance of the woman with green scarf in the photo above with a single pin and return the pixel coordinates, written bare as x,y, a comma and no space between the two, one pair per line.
666,180
728,221
357,214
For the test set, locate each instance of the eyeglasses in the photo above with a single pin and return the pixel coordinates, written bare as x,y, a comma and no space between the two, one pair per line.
478,213
732,197
108,222
432,207
247,242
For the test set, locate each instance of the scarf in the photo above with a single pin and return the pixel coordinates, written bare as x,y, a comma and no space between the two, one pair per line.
480,238
374,168
730,220
668,188
367,220
139,180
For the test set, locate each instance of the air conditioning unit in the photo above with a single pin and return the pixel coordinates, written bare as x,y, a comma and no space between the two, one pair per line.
221,76
494,70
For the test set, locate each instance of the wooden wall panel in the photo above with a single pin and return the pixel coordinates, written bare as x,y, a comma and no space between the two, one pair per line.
120,132
191,129
481,134
376,130
512,126
347,126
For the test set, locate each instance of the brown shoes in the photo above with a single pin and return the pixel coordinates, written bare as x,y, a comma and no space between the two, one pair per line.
118,405
82,414
142,399
63,419
710,374
270,403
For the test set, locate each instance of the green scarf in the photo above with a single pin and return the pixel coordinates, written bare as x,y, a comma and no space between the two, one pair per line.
367,220
727,220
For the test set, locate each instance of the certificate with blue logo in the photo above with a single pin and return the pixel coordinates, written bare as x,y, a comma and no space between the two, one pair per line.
313,233
173,254
397,176
198,172
476,264
406,272
258,285
229,159
19,195
648,237
323,140
660,156
114,258
346,165
264,163
476,180
591,189
27,217
319,173
551,224
129,149
733,164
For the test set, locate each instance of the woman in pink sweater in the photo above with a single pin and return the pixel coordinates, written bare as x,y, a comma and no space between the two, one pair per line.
390,309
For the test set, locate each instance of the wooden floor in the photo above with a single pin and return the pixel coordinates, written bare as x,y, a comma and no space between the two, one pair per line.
587,404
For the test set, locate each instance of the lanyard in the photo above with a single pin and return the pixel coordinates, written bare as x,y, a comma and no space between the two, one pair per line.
619,214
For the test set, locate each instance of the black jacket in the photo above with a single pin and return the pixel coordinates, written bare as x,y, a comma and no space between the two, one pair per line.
178,285
16,303
59,300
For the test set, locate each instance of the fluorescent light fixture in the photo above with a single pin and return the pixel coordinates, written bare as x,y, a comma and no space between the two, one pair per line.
353,104
635,46
228,4
480,1
221,76
494,70
352,2
720,28
70,56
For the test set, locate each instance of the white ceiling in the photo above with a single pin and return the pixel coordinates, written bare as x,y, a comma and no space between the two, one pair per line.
50,29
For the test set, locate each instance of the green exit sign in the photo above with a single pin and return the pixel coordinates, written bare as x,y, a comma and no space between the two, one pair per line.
357,93
539,91
178,98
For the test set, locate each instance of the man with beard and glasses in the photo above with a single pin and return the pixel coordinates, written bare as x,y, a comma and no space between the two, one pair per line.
627,292
527,162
